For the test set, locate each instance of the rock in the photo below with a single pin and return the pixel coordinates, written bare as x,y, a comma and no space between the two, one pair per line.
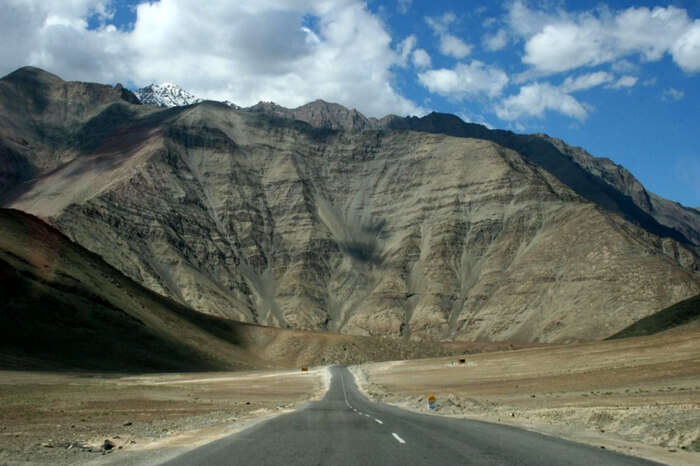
108,445
126,424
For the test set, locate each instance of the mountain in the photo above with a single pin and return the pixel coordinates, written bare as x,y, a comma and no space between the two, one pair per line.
78,312
685,314
170,95
598,180
320,114
320,218
165,95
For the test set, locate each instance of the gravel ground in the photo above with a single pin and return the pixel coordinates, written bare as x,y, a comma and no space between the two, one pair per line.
65,419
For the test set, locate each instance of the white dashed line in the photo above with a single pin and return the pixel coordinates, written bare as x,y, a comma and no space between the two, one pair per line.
345,394
366,415
378,421
398,439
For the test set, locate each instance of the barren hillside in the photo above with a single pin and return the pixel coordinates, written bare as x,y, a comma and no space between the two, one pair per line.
258,217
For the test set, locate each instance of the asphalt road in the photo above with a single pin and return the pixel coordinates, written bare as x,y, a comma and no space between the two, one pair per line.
345,428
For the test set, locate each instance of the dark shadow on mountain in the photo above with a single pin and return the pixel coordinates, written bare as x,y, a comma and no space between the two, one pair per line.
681,313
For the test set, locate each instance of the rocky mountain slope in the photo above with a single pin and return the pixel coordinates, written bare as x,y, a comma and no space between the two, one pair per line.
78,312
415,228
679,317
572,165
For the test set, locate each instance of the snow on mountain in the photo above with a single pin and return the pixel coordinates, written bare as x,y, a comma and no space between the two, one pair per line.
170,95
165,95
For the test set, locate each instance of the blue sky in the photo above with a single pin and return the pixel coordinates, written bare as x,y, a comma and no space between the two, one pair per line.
619,78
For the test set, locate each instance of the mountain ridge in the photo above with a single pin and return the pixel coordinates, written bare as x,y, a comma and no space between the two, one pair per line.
322,114
397,230
80,313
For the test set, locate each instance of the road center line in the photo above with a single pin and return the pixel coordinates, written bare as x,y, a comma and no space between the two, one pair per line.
399,439
345,394
378,421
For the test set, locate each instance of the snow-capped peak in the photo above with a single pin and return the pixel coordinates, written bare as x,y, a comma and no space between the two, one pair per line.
170,95
166,95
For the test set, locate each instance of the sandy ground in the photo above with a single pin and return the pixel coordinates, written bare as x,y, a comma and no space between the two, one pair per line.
50,418
639,396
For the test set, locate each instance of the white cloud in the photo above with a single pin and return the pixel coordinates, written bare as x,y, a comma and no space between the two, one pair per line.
536,99
421,59
625,81
474,118
672,95
440,24
405,48
453,46
404,6
244,51
473,79
561,41
496,41
450,45
586,81
686,50
624,66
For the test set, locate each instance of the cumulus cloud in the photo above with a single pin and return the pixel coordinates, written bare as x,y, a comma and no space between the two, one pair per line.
686,49
244,51
449,45
421,59
441,24
536,99
496,41
453,46
560,41
473,79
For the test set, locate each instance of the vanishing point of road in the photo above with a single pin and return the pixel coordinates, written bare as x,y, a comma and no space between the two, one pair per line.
345,428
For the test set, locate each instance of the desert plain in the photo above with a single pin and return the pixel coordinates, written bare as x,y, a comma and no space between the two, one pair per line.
62,418
639,396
